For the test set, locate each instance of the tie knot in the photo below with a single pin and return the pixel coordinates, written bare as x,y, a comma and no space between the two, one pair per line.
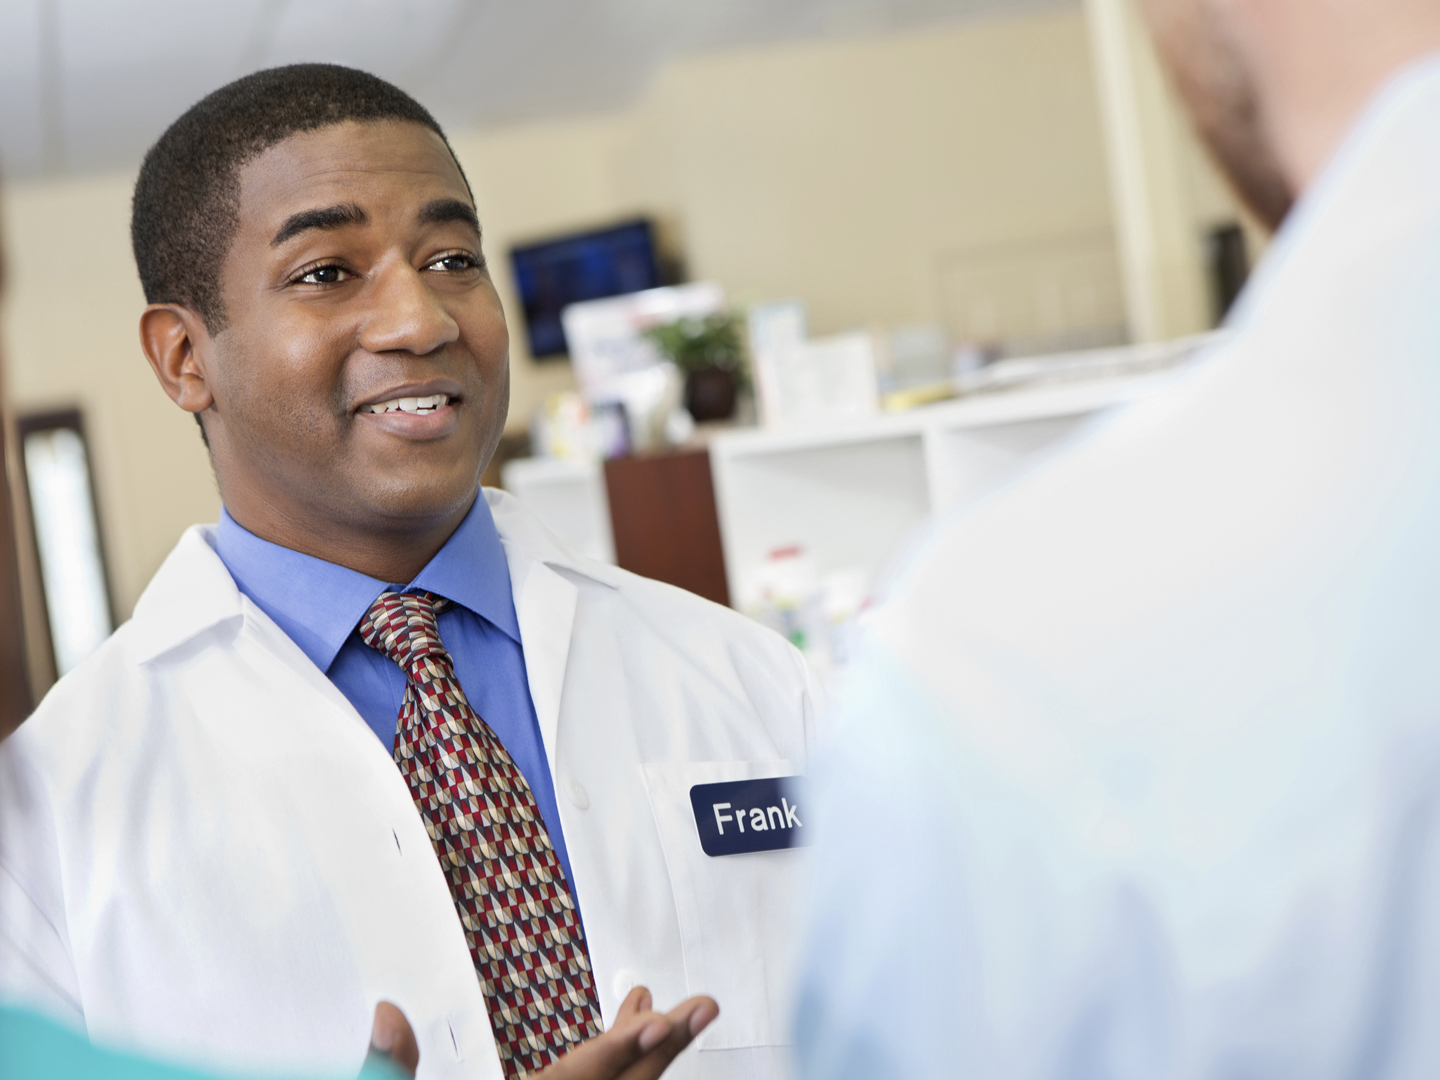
404,628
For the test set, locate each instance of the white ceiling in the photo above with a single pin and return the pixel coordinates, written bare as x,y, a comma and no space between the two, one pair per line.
89,84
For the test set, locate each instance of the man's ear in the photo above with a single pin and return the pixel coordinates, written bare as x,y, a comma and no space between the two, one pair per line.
176,342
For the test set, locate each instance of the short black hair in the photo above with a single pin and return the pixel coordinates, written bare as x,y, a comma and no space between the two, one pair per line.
187,197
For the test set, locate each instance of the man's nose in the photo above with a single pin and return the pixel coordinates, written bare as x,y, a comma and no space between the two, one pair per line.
405,315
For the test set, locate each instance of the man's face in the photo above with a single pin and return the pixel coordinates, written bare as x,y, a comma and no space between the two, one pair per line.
1212,74
361,381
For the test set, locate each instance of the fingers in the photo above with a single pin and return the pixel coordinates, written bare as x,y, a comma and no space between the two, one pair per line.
687,1020
391,1037
637,1001
608,1055
640,1045
706,1011
637,1004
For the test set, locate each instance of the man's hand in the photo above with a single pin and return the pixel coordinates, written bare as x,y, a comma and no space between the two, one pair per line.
639,1046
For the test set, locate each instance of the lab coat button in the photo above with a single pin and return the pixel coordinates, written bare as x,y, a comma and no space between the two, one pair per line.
578,795
625,981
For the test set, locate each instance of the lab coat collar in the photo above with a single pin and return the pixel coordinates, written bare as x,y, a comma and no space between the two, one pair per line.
521,530
192,592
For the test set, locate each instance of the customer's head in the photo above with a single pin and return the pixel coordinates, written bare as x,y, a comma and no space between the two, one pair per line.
310,250
1274,85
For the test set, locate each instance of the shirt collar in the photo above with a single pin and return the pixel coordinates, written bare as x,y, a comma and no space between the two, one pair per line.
318,603
472,571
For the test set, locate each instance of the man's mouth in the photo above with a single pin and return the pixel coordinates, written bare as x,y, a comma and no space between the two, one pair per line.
419,405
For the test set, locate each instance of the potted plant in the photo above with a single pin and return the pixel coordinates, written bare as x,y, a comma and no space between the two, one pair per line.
711,353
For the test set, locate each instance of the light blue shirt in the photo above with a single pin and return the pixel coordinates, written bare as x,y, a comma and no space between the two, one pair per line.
319,604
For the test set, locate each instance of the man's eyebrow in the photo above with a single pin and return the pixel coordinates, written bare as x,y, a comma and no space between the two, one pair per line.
443,210
325,217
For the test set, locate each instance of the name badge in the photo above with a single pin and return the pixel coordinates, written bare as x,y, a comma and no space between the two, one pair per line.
741,816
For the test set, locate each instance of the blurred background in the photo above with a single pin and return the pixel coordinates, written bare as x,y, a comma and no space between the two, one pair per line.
783,279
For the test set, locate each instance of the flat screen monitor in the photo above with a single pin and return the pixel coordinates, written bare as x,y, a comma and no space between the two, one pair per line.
553,274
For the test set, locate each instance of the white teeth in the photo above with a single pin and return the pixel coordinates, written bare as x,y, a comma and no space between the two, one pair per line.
411,404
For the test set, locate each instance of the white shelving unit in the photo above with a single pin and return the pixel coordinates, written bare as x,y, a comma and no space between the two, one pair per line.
850,494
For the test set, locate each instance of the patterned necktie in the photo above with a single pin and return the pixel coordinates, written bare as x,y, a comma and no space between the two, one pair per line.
514,902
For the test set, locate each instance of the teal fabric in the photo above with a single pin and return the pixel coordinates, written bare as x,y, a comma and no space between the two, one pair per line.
32,1048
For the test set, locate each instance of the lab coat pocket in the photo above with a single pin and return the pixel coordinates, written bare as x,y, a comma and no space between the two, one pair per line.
736,912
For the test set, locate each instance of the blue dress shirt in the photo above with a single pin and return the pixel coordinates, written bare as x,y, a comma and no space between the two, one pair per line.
319,604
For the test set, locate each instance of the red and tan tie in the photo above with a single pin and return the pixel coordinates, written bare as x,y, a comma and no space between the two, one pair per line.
514,902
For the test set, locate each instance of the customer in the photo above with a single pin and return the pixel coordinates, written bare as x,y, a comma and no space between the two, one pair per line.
1141,775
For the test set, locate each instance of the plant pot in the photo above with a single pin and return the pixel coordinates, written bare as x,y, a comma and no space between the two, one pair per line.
710,394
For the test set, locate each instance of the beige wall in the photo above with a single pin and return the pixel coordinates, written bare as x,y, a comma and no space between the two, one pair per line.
842,172
848,173
70,324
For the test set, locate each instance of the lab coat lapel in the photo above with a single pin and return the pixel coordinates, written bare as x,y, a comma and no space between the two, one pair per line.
545,604
545,607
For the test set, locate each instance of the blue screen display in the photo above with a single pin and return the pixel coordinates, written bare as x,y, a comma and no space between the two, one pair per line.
587,266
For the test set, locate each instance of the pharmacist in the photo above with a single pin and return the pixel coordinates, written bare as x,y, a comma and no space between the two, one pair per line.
219,835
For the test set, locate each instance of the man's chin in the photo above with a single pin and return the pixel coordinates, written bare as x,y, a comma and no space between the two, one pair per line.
396,509
1255,176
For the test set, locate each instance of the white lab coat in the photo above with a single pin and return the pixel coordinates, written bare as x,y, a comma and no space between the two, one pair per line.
1152,734
205,852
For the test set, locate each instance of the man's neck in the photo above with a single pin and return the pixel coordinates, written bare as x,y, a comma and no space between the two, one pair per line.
1324,65
393,552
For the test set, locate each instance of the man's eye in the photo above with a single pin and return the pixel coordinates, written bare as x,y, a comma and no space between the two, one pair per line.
324,275
454,263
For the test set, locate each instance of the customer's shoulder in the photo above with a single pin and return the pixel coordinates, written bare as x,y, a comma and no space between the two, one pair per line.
1136,505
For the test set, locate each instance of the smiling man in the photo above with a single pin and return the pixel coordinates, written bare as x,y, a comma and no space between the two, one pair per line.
377,735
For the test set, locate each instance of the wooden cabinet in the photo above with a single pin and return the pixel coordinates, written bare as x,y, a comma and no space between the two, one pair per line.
663,519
